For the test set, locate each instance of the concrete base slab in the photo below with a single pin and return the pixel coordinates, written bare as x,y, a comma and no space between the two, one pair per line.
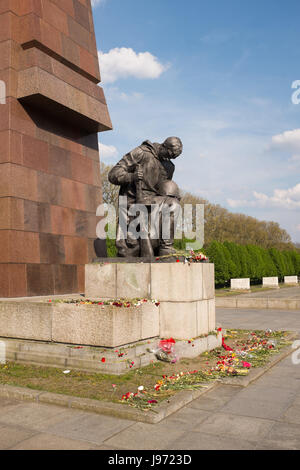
90,359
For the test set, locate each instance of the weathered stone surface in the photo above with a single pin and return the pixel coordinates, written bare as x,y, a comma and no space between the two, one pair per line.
150,321
291,279
270,281
202,317
208,277
178,320
177,282
106,326
211,315
133,280
28,321
239,284
101,281
186,292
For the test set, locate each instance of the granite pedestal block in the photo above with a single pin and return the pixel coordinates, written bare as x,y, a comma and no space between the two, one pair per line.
93,325
185,291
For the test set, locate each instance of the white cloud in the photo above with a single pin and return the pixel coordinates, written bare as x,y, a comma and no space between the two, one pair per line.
288,140
115,94
123,62
107,151
95,3
282,198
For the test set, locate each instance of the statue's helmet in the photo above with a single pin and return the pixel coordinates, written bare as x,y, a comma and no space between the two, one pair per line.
169,188
174,146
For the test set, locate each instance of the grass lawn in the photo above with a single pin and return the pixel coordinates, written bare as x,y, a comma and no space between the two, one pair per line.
242,350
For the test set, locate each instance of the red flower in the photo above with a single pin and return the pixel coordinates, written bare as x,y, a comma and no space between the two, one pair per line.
103,359
246,364
177,261
219,329
227,348
152,401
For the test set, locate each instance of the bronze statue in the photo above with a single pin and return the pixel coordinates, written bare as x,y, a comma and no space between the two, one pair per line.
144,176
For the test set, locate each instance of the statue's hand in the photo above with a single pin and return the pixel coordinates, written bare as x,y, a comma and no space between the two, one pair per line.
138,174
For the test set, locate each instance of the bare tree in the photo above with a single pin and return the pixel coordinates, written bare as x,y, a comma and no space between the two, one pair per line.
110,192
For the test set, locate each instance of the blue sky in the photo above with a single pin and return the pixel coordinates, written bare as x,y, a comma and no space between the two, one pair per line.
219,75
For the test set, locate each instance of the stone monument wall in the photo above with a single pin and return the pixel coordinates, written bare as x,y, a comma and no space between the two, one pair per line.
49,161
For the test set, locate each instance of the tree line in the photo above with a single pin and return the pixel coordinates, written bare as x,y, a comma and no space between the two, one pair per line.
251,261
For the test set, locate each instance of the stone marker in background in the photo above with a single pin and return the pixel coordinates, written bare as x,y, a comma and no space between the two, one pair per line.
240,284
270,281
49,162
291,279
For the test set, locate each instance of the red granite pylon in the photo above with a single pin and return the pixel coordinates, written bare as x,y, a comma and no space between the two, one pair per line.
49,158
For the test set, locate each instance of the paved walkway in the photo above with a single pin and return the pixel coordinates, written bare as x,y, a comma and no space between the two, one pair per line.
265,415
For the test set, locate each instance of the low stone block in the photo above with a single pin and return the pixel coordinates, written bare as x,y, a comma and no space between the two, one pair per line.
240,284
178,320
26,321
106,326
270,281
101,281
191,349
291,279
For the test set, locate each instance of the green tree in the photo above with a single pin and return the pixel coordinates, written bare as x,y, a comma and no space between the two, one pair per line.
234,252
232,268
216,255
279,262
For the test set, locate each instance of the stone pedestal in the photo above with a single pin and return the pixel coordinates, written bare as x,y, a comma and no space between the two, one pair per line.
91,325
64,332
185,291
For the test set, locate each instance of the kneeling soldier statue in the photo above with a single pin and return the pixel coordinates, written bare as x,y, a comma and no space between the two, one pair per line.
145,177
